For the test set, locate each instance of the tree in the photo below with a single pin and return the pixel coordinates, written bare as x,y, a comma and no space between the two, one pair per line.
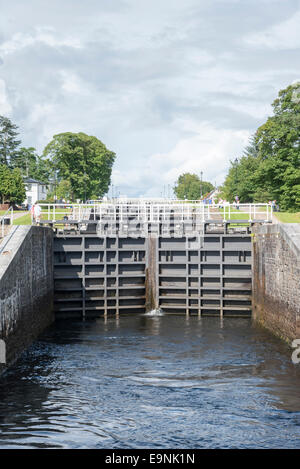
64,190
17,193
278,141
8,140
82,160
32,165
240,180
12,188
26,160
5,179
189,186
270,166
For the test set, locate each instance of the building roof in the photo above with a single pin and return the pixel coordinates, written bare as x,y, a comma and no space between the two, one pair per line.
34,181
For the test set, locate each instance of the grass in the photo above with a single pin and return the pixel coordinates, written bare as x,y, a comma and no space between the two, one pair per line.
25,220
286,217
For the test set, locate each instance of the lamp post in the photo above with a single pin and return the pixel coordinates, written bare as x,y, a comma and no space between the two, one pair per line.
55,179
84,187
236,161
201,174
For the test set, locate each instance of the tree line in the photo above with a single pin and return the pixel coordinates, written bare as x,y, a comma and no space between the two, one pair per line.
76,165
269,168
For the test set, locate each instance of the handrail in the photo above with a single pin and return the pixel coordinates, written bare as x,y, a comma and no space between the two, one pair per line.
4,217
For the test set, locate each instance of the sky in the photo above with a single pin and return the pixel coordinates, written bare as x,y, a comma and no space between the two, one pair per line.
170,86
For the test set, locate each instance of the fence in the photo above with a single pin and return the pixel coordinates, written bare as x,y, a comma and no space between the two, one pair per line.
150,211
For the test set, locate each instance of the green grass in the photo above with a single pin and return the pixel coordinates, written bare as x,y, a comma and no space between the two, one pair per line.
25,220
58,214
286,217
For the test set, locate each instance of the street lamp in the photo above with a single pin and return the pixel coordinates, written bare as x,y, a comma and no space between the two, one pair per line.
201,174
236,161
84,187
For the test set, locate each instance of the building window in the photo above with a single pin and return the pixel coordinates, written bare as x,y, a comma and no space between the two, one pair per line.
29,187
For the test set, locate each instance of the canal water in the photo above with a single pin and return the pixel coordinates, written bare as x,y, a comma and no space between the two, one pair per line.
152,382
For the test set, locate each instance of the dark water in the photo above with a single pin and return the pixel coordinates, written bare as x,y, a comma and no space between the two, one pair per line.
152,382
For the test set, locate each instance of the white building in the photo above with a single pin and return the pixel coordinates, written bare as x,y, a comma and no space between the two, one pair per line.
35,190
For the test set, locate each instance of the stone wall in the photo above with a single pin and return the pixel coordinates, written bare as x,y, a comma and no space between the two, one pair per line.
26,288
276,279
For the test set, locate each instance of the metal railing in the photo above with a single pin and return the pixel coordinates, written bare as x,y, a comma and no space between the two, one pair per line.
8,215
144,210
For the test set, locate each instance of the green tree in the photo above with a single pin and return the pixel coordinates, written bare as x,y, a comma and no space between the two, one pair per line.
240,180
8,140
270,166
12,188
189,186
82,160
278,141
5,180
32,165
64,190
26,160
17,193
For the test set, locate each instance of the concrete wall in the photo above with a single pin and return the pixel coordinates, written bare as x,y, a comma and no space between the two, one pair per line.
26,288
276,279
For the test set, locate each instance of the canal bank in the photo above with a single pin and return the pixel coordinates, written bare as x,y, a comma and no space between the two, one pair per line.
26,289
276,279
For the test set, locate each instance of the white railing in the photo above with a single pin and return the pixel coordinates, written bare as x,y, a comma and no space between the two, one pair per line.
249,212
145,211
8,215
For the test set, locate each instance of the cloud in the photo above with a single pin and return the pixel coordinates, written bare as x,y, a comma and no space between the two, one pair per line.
5,106
284,35
44,35
209,150
169,86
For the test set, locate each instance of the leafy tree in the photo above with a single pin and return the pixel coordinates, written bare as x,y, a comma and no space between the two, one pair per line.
43,170
82,160
17,193
64,190
8,140
270,166
26,160
189,186
12,188
5,179
279,150
240,180
32,165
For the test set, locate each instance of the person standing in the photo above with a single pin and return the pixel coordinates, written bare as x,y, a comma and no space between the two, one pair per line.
32,213
37,213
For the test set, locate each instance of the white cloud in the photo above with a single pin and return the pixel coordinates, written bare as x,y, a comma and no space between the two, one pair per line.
170,86
209,150
5,106
73,84
44,35
284,35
